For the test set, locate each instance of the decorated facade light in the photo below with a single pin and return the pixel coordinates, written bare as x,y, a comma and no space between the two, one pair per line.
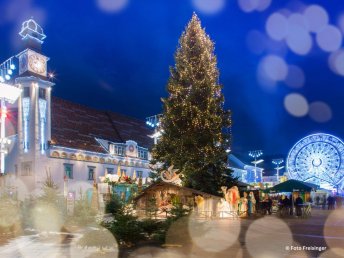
8,93
278,167
6,69
255,154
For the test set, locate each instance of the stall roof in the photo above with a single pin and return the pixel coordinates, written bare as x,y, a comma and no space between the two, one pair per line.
292,185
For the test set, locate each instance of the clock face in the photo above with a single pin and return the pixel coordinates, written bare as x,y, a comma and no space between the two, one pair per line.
37,64
131,148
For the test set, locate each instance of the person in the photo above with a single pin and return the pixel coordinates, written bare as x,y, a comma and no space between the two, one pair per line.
317,200
291,212
339,202
251,204
298,206
269,205
324,202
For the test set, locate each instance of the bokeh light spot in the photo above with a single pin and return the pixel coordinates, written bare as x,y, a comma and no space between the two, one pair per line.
317,17
263,5
329,38
333,233
277,26
248,5
336,62
299,20
296,105
209,6
112,6
268,231
214,235
299,40
296,77
320,112
274,67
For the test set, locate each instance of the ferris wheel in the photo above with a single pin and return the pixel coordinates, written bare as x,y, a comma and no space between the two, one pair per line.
318,159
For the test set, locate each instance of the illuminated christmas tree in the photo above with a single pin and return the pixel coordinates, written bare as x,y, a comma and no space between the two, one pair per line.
195,127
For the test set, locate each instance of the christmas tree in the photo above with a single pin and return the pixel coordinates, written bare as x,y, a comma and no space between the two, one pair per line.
194,125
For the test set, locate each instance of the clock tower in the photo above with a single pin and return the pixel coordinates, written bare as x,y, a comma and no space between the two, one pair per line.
34,116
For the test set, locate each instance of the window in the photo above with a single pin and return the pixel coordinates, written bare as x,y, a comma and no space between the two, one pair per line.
116,149
91,173
41,93
139,174
143,154
26,168
109,171
26,92
68,171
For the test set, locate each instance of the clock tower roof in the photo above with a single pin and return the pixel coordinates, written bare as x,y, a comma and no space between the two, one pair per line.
32,34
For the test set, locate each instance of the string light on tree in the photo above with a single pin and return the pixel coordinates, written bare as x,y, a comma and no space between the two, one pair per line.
194,124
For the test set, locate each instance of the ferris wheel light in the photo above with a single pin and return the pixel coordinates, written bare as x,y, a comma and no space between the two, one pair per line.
317,159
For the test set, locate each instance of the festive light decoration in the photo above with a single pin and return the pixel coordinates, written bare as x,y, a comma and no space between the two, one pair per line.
26,117
6,69
278,162
42,104
318,159
256,154
194,124
8,93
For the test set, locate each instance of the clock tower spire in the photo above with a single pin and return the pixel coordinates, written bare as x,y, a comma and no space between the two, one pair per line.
34,115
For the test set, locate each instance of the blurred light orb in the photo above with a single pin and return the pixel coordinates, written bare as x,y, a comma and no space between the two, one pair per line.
112,6
341,22
263,5
329,38
46,217
332,253
336,62
277,26
255,41
299,20
269,231
214,235
320,112
334,237
317,17
295,78
296,105
299,40
209,6
248,6
274,67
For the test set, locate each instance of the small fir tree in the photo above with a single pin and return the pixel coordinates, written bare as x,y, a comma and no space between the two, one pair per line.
194,124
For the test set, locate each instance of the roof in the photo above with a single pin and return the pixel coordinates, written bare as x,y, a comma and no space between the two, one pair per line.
293,185
234,162
164,184
76,126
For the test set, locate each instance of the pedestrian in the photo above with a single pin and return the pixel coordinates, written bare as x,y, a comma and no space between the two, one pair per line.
317,200
324,202
269,205
298,206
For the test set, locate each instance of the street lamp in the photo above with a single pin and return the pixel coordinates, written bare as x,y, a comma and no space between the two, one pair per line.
154,122
10,94
278,162
256,154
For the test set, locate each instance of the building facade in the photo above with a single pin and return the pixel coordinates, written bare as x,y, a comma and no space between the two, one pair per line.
74,144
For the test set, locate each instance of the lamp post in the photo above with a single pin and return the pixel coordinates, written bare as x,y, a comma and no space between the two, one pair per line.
256,154
10,94
154,122
278,162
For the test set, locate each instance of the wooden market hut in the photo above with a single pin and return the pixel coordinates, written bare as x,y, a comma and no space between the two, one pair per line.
165,193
